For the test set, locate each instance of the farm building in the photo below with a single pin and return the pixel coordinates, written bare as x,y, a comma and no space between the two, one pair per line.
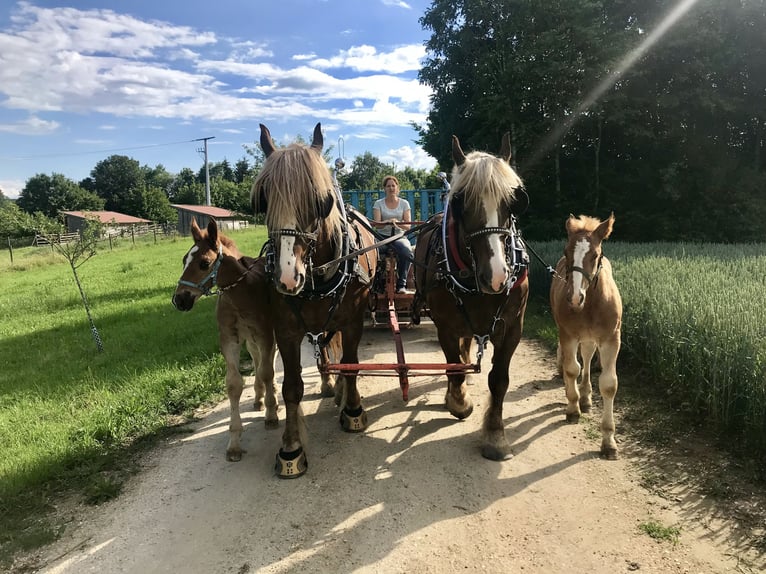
114,223
225,218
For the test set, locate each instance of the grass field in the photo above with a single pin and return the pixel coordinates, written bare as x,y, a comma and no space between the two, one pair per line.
68,411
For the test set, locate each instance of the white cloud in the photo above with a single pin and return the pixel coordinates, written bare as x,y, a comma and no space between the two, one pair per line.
367,59
397,3
31,126
410,156
11,188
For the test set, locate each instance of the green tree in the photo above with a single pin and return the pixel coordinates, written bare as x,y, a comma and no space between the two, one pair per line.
51,194
186,190
119,180
366,172
156,206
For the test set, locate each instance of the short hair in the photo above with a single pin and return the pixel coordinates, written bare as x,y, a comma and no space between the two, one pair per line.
389,177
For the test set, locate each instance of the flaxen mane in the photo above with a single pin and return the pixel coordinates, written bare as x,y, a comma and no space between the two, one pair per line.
296,192
489,181
584,223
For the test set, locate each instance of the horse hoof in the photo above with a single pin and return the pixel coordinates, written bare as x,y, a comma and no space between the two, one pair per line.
271,423
291,464
234,455
353,420
573,418
461,414
585,409
258,406
327,392
494,453
609,453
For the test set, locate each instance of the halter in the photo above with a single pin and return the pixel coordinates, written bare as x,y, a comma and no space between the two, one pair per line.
591,279
212,278
209,278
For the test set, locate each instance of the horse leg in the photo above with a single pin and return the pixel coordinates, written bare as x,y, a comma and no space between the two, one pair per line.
570,371
264,351
457,350
587,349
291,459
234,385
607,385
353,417
496,446
327,388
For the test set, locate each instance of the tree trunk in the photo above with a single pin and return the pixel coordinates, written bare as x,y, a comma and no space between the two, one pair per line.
597,166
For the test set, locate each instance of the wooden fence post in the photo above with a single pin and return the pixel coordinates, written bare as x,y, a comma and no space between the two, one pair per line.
10,248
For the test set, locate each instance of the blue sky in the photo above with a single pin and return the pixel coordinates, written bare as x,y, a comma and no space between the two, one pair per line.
82,80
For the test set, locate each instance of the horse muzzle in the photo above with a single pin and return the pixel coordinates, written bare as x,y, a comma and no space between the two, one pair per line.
184,300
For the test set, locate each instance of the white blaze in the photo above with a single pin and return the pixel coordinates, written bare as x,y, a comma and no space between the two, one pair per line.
497,262
288,274
190,257
581,249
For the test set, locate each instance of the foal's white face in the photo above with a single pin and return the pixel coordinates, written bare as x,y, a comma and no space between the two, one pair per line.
579,283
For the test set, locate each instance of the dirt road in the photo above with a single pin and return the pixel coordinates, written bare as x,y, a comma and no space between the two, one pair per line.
412,494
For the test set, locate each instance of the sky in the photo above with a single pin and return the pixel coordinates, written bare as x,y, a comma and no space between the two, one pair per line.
83,80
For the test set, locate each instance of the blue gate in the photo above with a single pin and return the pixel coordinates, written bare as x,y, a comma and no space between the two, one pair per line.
424,202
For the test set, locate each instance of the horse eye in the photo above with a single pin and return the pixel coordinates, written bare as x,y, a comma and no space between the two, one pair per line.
204,265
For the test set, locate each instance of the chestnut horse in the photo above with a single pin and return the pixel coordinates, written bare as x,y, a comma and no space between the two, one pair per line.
587,308
472,273
319,287
244,315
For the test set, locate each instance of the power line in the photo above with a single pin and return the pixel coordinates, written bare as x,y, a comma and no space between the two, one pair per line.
72,154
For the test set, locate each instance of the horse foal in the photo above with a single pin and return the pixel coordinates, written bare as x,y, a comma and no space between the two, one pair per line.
587,308
244,316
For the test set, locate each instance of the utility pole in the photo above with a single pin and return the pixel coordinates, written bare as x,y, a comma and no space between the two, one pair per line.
207,168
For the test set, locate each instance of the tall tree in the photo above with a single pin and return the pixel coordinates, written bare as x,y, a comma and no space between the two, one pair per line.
51,194
119,180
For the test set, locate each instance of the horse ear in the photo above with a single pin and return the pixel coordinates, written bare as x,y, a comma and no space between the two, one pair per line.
317,142
505,147
605,229
267,144
457,151
195,230
212,232
569,224
520,201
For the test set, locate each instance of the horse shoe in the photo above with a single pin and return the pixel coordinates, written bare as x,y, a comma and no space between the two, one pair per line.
291,464
353,421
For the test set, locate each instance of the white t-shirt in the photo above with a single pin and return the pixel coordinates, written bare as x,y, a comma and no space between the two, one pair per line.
386,213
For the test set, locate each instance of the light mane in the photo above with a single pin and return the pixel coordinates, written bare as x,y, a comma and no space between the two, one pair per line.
296,179
484,178
584,223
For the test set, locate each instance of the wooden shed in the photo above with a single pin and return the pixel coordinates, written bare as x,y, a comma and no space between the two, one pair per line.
225,218
114,223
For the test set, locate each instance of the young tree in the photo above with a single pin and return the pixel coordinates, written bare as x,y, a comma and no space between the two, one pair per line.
77,253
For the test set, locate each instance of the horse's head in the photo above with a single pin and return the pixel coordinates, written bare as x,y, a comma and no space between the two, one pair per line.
485,195
201,265
295,191
583,255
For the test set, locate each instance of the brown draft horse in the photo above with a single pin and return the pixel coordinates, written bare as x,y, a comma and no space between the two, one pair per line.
244,315
587,309
472,273
309,229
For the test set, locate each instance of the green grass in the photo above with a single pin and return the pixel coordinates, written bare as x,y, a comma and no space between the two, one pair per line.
659,532
69,415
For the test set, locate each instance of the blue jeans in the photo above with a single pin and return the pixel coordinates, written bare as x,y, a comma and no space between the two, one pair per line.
403,252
